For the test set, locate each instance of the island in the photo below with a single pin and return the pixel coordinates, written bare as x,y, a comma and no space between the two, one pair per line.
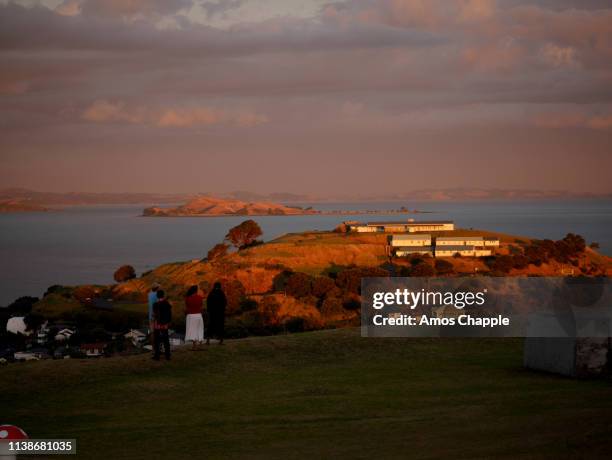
205,206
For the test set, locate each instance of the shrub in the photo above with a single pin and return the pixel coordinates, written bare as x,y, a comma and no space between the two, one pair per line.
422,270
332,306
124,273
295,324
279,283
247,304
342,228
444,267
234,293
299,285
217,251
244,234
84,294
322,285
351,302
350,280
269,309
594,245
22,305
520,261
503,264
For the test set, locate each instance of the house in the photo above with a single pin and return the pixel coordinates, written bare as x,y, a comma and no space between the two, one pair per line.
177,339
409,226
42,333
40,352
94,350
64,335
25,356
478,241
406,251
411,240
463,250
137,336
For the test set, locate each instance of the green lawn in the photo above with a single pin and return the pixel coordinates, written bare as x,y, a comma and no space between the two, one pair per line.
324,394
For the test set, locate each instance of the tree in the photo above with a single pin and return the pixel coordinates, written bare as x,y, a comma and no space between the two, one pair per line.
594,245
124,273
322,285
244,234
299,285
218,251
519,261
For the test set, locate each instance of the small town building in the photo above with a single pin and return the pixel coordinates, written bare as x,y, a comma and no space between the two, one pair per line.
411,240
459,241
407,251
94,350
491,241
463,250
400,226
64,335
137,336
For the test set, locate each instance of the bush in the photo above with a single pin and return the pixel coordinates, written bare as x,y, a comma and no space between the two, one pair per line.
84,294
22,305
520,261
269,309
295,324
351,302
124,273
248,304
350,280
322,285
444,267
299,285
218,251
332,306
279,283
342,228
503,264
422,270
234,293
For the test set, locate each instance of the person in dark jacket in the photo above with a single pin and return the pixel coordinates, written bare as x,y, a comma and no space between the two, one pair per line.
162,315
215,306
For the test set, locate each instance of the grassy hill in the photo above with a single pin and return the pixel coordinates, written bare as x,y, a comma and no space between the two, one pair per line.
320,394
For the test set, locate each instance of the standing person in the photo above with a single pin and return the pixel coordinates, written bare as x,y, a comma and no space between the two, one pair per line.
152,298
194,327
215,304
162,315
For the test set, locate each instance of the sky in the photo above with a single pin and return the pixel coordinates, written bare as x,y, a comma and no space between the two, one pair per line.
309,96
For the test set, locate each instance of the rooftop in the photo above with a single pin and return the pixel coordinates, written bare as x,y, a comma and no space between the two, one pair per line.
458,238
410,223
422,236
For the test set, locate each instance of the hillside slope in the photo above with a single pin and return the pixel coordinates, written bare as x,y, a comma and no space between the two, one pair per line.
326,394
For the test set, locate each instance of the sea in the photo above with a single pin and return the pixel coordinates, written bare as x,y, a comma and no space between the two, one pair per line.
86,244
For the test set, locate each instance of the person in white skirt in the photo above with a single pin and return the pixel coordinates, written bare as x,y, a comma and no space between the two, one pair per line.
194,327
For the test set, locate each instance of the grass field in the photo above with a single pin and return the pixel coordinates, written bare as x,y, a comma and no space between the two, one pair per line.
324,394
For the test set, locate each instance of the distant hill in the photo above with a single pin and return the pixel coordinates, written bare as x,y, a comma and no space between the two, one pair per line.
46,199
20,205
213,206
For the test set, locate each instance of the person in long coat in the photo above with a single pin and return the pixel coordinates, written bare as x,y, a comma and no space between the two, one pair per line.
215,306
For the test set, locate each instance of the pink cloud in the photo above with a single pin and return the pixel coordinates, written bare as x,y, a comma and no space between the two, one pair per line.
102,111
573,120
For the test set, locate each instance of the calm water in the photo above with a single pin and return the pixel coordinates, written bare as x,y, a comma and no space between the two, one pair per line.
86,244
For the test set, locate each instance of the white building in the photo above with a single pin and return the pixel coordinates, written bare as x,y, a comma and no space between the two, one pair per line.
411,240
64,335
406,251
401,226
464,250
459,241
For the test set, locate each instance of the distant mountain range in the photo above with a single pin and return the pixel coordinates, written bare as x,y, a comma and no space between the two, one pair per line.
19,199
